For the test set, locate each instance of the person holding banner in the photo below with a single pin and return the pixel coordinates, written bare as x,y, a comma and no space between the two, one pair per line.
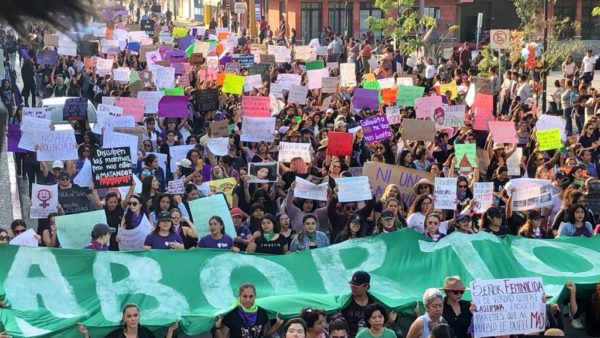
301,208
4,237
575,224
100,237
353,229
268,239
376,317
164,236
309,238
217,239
434,305
416,214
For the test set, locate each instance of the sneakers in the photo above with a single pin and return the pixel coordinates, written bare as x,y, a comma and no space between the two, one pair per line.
576,323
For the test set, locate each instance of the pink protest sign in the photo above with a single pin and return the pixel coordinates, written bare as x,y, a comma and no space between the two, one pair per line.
173,106
426,106
132,107
503,132
482,119
256,106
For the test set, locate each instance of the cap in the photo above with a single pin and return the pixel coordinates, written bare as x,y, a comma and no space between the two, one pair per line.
340,124
498,146
463,217
102,229
329,111
306,131
58,165
453,283
387,214
185,163
354,218
360,278
283,129
163,216
236,212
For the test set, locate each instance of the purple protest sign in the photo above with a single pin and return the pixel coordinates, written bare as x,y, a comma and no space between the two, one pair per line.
365,98
133,46
173,106
179,68
47,57
225,59
14,136
206,168
376,128
176,56
185,42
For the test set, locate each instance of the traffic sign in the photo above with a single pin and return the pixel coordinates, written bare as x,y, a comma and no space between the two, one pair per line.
239,7
500,38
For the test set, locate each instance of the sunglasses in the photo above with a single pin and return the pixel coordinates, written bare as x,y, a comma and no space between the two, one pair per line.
4,238
350,207
456,292
135,204
462,186
65,179
17,232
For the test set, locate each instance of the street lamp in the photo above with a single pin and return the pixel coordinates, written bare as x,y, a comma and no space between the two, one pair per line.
544,70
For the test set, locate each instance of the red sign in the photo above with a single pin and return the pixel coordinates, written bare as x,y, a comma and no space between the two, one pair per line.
340,144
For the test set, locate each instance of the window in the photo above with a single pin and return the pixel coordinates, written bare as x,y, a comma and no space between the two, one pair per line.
590,25
311,20
337,17
431,11
368,9
565,9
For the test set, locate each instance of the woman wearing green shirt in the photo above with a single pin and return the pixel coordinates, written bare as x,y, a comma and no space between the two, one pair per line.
375,318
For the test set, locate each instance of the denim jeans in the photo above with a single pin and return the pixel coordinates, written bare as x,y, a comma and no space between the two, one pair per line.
567,115
579,120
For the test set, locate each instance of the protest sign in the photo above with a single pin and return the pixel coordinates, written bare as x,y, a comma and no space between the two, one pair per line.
297,95
27,238
225,186
116,140
483,193
339,144
51,40
44,199
304,53
74,231
503,132
219,128
74,200
104,66
57,145
47,57
13,135
316,76
122,74
348,74
32,128
177,91
445,193
309,190
176,186
267,59
513,163
329,85
260,69
454,116
282,54
381,175
389,95
173,106
465,158
482,85
75,108
547,121
332,65
164,77
218,146
233,84
257,129
256,106
548,139
408,94
371,84
290,150
202,209
84,176
365,98
425,106
133,239
288,80
38,112
483,102
151,99
482,119
252,81
393,115
376,128
132,106
108,123
592,197
111,167
509,306
352,189
178,153
418,130
387,83
206,100
263,172
530,193
449,88
246,60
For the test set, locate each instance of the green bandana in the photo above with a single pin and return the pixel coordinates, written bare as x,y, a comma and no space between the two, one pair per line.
252,309
268,236
311,236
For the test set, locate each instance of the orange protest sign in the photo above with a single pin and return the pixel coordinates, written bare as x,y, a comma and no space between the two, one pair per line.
109,34
220,78
222,36
220,49
388,95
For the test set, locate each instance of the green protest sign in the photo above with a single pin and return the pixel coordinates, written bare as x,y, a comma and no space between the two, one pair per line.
465,158
407,95
177,91
74,231
47,291
315,64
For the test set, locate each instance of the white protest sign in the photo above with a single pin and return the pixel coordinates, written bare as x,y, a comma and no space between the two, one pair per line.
122,74
84,176
404,81
164,77
483,193
454,116
275,89
103,66
151,98
176,186
348,74
509,306
27,238
351,189
297,95
513,163
109,100
68,48
57,145
530,196
31,129
387,83
218,146
306,53
104,113
178,153
138,186
153,57
316,76
290,150
133,239
282,54
308,190
252,81
257,129
288,80
393,115
116,140
38,112
34,123
546,122
44,199
445,193
74,231
322,50
329,85
110,123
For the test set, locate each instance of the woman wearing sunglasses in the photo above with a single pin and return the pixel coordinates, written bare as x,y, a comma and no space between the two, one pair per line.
135,213
456,311
4,237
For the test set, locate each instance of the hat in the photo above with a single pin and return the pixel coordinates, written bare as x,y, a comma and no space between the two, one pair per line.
534,215
324,143
453,283
529,102
185,163
340,124
306,131
329,111
463,217
360,277
236,212
355,218
420,182
102,229
58,165
164,216
498,146
494,212
387,214
283,129
554,333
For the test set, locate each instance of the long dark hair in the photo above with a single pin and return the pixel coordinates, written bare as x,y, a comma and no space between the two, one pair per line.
302,233
220,220
129,214
273,220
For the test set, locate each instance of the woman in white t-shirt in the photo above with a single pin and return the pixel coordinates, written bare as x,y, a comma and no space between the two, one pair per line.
569,67
417,212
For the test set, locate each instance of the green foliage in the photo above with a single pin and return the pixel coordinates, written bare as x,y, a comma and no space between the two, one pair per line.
488,60
596,11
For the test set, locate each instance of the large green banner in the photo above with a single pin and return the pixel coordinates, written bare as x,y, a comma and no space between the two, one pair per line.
47,291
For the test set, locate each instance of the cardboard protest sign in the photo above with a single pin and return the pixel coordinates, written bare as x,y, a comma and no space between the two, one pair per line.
111,167
267,59
548,139
329,85
74,200
503,132
381,175
206,100
202,209
389,95
530,193
297,94
365,98
74,231
316,76
57,145
116,140
38,112
339,144
308,190
483,193
178,153
445,193
263,172
376,128
44,200
425,106
418,130
218,145
348,74
260,69
47,57
225,186
451,88
465,158
290,150
133,239
483,101
219,128
407,94
132,106
454,116
121,74
51,40
173,106
233,84
508,306
176,186
257,129
151,99
352,189
75,108
547,121
256,106
27,238
392,114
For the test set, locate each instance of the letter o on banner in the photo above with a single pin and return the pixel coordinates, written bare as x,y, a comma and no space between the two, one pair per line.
524,252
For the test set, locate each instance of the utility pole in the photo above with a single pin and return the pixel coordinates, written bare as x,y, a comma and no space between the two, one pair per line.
545,71
252,18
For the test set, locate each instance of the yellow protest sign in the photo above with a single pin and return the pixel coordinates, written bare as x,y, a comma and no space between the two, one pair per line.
225,186
369,77
179,32
233,84
548,139
451,87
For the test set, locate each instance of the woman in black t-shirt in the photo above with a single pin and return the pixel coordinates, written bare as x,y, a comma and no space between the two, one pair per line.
268,239
246,320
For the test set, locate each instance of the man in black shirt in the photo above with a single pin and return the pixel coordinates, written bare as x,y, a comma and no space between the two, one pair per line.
355,310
